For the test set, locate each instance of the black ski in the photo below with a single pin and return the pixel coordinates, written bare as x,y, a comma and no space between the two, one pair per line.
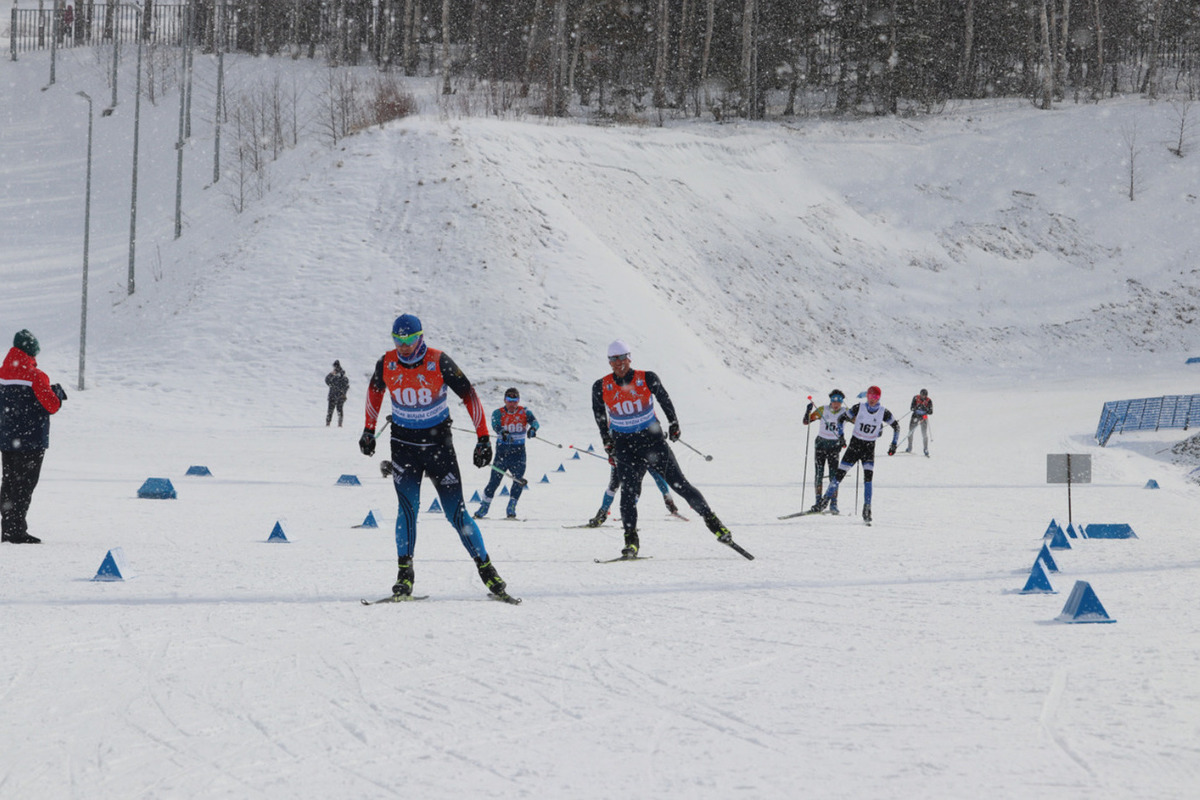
396,598
505,597
621,558
741,550
799,514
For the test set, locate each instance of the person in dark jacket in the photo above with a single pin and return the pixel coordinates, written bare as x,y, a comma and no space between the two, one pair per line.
27,399
338,385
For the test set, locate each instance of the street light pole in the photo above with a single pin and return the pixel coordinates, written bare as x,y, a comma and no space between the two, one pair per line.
137,117
87,229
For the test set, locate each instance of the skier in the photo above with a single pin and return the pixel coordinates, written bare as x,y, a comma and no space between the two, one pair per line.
922,409
416,378
623,407
338,385
829,440
512,423
27,399
614,483
869,419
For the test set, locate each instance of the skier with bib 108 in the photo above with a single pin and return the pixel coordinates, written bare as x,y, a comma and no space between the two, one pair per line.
623,407
416,378
869,419
512,423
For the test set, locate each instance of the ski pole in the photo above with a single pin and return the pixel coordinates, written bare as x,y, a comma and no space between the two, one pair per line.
586,452
519,481
694,450
857,467
804,472
547,441
383,427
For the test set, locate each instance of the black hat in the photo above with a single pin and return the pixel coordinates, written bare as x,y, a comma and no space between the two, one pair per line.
924,393
337,365
511,393
27,343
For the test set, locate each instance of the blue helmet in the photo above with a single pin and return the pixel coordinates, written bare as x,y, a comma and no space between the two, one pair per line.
405,331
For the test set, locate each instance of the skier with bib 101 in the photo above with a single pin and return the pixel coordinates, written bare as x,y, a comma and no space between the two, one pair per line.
416,378
623,407
869,419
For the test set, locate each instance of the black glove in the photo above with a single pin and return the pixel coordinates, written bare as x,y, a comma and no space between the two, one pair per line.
841,442
366,442
483,452
608,446
532,433
58,392
892,449
505,438
673,432
808,411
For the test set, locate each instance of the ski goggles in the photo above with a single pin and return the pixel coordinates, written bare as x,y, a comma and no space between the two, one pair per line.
836,398
411,338
622,357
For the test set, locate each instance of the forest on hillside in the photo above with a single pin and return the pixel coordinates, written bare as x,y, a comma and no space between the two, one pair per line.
746,58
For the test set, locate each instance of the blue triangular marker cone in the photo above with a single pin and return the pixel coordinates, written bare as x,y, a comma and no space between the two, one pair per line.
435,506
1083,606
369,521
561,468
1038,583
277,534
545,479
475,497
1059,540
504,491
1051,529
113,568
1047,559
576,456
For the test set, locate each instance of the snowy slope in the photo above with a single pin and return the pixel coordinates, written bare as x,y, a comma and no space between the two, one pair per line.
987,254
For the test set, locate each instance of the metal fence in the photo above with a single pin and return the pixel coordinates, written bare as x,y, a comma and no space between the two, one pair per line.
1148,414
89,24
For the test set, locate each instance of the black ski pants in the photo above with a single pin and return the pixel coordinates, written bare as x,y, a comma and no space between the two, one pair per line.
21,471
637,452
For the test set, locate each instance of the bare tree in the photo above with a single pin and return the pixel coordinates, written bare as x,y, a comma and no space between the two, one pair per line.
968,46
1129,138
1183,141
1150,82
445,46
1098,86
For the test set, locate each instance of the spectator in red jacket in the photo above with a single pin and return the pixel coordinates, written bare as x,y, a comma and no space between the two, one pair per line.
27,399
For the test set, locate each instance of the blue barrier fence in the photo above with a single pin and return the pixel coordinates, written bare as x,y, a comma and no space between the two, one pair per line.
1148,414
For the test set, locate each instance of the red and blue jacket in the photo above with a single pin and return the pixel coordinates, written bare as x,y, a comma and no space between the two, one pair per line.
26,403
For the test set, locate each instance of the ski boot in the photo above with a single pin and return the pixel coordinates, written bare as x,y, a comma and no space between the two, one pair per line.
630,550
511,513
819,506
867,512
720,531
598,520
404,578
833,509
671,507
483,509
487,573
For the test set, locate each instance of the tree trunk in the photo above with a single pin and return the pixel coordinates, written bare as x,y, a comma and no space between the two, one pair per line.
1098,86
1047,90
557,101
965,80
661,51
445,46
533,35
1150,82
708,34
749,98
1064,36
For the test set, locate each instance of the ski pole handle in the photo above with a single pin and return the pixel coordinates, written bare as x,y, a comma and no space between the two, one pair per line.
694,450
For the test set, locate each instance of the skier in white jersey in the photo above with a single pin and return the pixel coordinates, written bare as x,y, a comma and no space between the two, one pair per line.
869,419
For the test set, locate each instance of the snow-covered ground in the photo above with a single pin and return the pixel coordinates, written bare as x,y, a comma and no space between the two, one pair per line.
990,255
